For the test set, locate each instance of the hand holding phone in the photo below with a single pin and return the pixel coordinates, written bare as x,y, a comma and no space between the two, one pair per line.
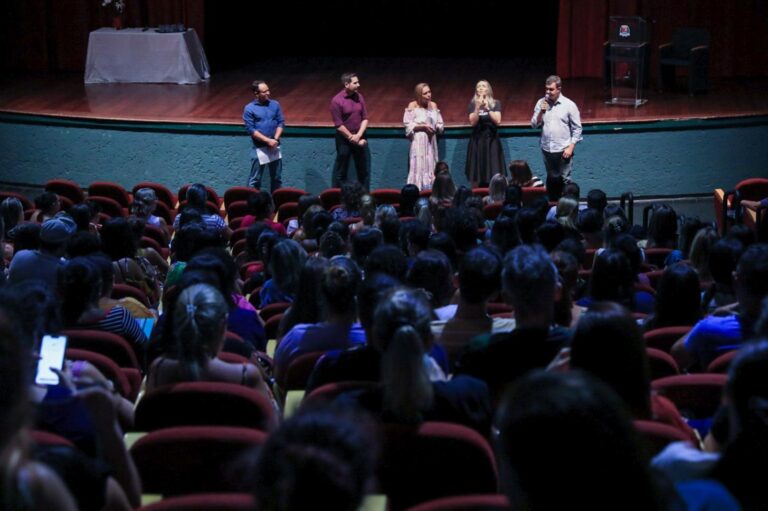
52,350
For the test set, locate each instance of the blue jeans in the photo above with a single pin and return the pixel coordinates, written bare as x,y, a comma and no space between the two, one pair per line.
275,173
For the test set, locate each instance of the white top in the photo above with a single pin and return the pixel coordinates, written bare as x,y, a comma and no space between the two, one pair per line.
562,124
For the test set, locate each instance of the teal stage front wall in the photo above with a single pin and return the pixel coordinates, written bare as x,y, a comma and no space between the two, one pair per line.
665,158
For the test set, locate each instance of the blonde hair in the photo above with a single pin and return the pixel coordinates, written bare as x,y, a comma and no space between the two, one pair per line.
488,95
418,90
566,211
497,188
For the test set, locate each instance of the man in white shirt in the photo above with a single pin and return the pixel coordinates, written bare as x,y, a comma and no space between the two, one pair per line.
561,130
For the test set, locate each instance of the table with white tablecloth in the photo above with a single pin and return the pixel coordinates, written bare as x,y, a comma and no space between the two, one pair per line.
136,55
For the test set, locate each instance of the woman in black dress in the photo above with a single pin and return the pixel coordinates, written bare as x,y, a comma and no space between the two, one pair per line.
485,155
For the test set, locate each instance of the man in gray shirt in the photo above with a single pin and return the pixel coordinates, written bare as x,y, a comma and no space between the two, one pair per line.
561,130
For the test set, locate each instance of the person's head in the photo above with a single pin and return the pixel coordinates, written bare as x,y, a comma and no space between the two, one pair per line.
552,86
197,196
12,213
480,275
497,188
520,173
530,283
331,244
367,209
363,243
34,309
261,91
318,222
252,240
260,204
144,201
15,378
25,236
596,199
462,227
306,307
751,280
219,262
338,288
422,93
387,259
401,331
662,227
200,321
628,244
528,220
513,197
79,286
441,167
285,263
723,258
305,201
742,233
350,81
416,237
106,271
590,222
351,193
550,234
48,203
369,293
551,425
83,214
504,234
82,243
483,89
612,278
117,239
568,275
614,226
701,246
678,297
746,389
409,194
442,242
318,455
443,189
608,344
566,211
191,238
431,271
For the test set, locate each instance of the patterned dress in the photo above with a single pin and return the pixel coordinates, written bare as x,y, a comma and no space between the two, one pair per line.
423,154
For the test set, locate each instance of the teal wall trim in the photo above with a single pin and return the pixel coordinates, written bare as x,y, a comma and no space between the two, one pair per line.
660,158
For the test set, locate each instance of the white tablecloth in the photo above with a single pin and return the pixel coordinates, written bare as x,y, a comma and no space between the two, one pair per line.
136,55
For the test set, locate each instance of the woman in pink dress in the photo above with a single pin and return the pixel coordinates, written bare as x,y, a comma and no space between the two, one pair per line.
422,122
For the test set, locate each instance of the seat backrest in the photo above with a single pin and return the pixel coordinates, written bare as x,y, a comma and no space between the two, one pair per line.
656,435
531,193
329,391
272,309
686,38
204,502
287,210
297,374
722,363
661,363
236,194
755,188
663,338
106,366
106,343
192,459
125,290
108,205
697,396
66,188
237,209
112,190
286,194
330,197
386,196
484,502
203,404
436,459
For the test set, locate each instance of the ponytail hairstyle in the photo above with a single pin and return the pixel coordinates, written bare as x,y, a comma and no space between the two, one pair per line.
199,319
79,283
401,331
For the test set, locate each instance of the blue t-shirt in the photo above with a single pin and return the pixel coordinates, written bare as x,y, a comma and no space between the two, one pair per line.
713,336
308,337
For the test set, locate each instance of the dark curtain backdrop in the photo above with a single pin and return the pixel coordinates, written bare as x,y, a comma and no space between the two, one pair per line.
52,35
738,31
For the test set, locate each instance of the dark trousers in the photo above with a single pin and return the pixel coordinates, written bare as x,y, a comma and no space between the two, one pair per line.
558,173
361,156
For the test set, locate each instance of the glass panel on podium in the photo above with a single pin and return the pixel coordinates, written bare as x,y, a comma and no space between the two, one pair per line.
628,56
627,68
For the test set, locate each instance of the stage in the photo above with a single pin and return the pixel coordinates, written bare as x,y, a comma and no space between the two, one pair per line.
52,125
304,89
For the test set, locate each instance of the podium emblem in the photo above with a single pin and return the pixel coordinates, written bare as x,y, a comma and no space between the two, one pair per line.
624,31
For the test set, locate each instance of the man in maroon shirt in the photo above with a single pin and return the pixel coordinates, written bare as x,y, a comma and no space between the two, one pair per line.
350,118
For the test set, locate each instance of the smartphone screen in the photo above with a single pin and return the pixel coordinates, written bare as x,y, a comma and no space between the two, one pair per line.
51,355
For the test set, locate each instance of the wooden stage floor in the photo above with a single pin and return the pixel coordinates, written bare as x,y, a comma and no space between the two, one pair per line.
304,89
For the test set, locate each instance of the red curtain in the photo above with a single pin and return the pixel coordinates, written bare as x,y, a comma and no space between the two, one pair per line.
738,32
